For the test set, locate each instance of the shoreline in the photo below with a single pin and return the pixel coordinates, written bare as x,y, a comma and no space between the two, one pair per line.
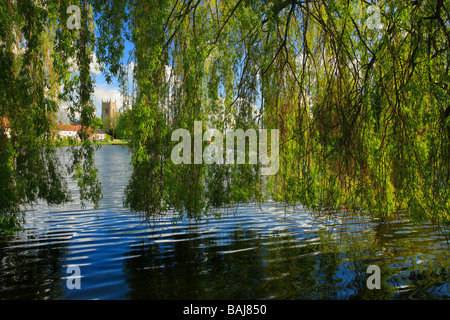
120,142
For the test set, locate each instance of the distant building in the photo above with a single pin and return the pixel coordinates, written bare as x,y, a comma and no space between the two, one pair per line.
100,135
68,130
109,109
71,131
63,130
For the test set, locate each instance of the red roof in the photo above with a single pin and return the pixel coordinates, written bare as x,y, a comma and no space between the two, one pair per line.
5,122
70,127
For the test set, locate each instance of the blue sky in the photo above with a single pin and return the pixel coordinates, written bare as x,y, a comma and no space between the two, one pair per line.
103,90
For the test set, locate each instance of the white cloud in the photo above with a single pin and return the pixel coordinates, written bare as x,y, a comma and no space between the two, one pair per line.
130,70
106,93
111,92
100,92
94,65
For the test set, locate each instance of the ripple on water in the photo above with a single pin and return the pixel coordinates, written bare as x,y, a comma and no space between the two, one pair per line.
252,252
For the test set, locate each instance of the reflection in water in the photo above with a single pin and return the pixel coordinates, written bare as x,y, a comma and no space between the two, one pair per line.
270,252
31,267
287,263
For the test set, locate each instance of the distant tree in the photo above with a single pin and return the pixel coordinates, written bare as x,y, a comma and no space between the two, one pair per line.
97,123
113,124
124,128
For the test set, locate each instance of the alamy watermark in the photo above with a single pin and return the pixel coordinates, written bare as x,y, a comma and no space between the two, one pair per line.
374,281
74,21
213,153
74,280
374,20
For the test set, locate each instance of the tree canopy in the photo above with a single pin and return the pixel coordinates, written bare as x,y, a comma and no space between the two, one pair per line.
360,96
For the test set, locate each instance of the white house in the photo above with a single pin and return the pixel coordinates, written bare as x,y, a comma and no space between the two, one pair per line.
100,135
68,130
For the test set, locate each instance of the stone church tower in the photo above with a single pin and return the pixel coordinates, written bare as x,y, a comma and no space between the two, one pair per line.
109,109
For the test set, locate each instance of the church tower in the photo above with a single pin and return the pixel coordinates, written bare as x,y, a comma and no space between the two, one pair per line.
109,109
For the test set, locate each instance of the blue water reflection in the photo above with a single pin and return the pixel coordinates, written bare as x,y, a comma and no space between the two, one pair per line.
251,252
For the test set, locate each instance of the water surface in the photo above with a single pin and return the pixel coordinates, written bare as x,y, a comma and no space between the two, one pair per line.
251,252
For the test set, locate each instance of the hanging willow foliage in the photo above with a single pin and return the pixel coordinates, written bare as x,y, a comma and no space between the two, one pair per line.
363,112
37,55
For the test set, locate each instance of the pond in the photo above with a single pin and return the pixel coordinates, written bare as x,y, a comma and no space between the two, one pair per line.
251,252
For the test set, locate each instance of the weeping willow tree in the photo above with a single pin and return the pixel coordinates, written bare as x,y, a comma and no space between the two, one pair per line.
43,62
362,108
360,98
